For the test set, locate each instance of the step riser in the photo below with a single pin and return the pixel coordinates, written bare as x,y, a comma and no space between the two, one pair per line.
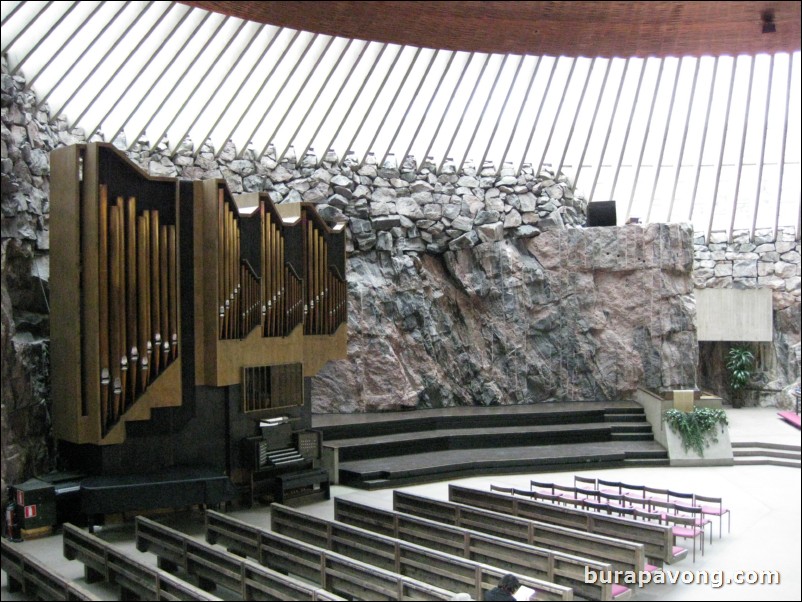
417,425
773,446
400,448
742,453
767,462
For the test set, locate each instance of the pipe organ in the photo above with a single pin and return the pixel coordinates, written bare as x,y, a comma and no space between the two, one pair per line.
179,317
137,294
325,299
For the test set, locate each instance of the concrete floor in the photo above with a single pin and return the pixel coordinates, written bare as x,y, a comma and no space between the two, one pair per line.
764,500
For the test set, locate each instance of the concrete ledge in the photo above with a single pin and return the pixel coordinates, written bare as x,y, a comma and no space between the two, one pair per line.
716,454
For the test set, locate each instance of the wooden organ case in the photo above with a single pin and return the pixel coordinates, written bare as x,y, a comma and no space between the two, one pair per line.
187,324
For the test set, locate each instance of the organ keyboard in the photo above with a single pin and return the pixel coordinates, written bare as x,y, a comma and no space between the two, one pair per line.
282,465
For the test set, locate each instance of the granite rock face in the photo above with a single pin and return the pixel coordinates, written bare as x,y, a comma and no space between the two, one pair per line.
769,260
572,314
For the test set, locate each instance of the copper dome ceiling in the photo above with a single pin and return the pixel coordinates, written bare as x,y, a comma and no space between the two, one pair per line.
603,29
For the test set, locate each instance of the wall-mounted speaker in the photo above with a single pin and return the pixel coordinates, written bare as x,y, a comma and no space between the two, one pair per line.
601,213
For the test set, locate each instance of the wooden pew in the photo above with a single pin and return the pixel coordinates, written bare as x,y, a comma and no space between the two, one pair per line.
34,578
334,572
623,555
658,540
213,566
445,570
516,557
104,562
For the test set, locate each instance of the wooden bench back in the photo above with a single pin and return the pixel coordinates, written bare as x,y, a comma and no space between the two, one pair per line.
215,566
623,555
456,573
334,572
563,569
107,562
35,579
658,540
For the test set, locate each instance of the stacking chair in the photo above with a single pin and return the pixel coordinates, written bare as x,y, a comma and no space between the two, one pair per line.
566,491
642,502
653,493
684,527
501,489
549,487
523,493
588,494
546,497
597,506
713,506
680,498
623,510
695,513
585,482
633,491
614,499
664,508
609,486
652,517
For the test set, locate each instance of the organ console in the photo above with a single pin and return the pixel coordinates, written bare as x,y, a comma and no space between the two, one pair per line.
188,318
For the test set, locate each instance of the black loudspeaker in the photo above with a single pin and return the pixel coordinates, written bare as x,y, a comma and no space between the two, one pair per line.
601,213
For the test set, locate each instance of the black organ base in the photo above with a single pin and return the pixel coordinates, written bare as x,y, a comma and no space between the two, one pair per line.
181,486
283,466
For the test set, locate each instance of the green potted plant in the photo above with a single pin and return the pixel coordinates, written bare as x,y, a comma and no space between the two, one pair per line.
740,364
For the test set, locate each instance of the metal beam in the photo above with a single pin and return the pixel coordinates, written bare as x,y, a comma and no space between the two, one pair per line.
665,138
537,117
717,179
645,137
45,36
760,162
196,88
429,106
576,116
317,97
704,140
121,67
142,70
681,154
609,128
464,111
592,122
743,147
501,113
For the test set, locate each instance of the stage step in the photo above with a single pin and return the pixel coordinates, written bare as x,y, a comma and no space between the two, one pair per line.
772,454
419,468
374,451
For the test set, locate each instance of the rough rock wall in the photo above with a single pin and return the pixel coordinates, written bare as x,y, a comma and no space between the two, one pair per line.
767,261
26,138
571,314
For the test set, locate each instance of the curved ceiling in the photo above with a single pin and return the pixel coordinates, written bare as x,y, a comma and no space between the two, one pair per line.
603,29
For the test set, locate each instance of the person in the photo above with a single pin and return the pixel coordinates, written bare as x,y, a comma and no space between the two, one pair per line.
505,589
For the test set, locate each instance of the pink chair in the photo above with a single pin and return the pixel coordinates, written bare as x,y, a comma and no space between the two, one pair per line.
633,491
585,482
713,506
609,486
696,513
549,487
685,527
